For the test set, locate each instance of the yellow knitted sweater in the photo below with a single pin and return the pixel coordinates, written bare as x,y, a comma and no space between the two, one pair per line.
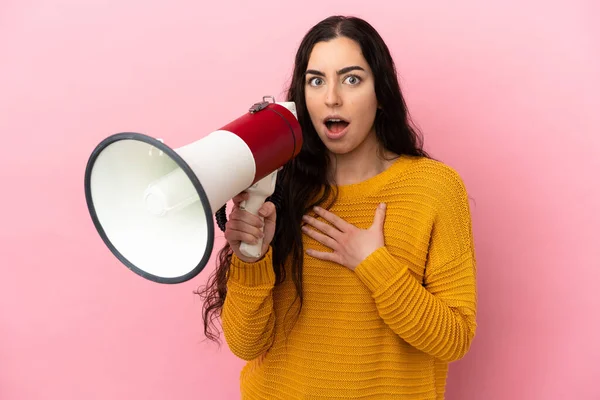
384,331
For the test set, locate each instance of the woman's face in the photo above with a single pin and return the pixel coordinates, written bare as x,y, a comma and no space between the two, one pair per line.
340,95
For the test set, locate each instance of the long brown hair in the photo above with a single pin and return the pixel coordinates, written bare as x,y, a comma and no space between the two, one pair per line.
304,182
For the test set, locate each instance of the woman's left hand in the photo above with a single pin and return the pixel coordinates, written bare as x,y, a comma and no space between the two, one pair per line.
350,244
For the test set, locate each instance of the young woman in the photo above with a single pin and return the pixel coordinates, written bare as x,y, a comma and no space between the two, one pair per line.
366,287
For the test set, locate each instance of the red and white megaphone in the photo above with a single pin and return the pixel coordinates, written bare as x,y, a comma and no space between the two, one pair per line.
153,206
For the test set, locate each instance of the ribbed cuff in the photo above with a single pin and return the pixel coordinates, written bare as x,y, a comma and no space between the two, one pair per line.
378,269
255,273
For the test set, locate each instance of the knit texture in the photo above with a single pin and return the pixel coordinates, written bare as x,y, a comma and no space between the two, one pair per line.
384,331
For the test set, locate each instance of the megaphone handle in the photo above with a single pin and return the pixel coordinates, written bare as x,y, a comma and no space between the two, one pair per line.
258,194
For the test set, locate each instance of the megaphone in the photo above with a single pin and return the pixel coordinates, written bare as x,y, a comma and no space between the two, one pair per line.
153,206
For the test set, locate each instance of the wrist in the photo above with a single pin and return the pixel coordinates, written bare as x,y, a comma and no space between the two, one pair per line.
364,257
249,260
258,272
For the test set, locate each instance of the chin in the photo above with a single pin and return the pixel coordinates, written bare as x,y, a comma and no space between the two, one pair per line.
339,149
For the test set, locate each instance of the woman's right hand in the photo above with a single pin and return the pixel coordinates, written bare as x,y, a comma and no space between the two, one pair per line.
243,226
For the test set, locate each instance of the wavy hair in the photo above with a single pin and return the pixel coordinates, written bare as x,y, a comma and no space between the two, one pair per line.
305,181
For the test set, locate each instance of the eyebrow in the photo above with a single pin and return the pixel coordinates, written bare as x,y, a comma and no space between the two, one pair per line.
340,72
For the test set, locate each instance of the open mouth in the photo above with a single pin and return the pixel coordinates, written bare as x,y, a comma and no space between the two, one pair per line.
336,125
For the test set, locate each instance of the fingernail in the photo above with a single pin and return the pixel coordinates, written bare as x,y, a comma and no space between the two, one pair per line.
382,206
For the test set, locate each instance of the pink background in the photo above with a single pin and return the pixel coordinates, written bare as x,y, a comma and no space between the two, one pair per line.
505,91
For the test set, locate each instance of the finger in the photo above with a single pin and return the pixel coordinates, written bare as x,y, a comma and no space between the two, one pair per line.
339,223
238,230
379,218
244,226
319,237
241,226
237,199
246,217
267,210
234,235
322,226
323,255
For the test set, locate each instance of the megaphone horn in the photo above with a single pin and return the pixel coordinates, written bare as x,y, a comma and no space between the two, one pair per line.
153,206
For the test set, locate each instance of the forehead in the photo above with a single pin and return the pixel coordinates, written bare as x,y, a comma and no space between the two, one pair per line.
336,54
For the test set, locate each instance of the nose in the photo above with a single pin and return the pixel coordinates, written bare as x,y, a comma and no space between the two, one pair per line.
332,96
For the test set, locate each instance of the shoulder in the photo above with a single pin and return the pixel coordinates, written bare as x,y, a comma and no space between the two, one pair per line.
429,172
435,183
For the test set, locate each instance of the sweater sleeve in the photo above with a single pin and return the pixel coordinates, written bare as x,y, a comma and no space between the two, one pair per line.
438,315
247,316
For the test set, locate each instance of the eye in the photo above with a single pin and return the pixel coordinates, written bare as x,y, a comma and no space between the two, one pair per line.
352,80
316,81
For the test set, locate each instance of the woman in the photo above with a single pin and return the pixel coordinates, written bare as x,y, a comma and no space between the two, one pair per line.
366,287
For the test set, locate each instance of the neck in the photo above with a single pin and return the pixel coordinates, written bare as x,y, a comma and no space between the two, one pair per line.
363,163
